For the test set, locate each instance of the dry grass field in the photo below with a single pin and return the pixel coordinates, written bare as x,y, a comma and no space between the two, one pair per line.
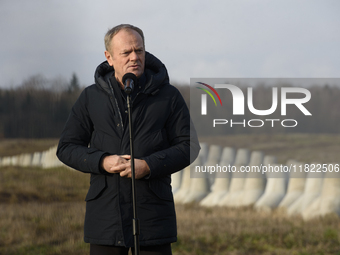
42,211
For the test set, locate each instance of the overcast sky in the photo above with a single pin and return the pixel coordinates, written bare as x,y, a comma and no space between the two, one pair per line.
231,38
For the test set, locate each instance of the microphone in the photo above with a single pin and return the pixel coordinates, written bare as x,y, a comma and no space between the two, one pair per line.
129,80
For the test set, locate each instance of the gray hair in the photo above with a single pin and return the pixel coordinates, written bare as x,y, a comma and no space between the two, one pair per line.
113,31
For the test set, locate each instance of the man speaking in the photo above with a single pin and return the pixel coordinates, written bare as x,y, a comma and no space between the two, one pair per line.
96,140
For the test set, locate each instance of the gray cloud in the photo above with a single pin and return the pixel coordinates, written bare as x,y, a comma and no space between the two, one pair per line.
248,38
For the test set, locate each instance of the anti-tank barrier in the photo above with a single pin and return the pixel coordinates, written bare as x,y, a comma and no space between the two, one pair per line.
295,188
255,180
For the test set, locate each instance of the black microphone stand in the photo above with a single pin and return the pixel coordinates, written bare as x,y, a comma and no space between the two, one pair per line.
135,220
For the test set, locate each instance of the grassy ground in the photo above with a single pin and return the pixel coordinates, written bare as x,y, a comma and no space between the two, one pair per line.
244,231
42,212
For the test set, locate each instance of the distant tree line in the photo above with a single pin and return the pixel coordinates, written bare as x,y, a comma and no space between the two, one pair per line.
39,109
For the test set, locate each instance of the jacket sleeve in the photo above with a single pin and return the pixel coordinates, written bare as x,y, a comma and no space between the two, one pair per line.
184,145
73,147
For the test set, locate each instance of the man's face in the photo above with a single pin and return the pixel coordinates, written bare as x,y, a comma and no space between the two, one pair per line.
127,54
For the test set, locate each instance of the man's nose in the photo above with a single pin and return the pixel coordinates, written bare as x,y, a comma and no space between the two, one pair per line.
133,55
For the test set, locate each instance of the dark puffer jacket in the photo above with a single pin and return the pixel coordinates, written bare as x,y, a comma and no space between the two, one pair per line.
164,138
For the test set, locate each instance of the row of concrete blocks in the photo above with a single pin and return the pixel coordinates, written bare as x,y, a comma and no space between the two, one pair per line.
308,194
294,193
45,159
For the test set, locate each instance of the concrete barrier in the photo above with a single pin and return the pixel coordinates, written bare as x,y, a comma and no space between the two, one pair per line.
36,159
222,179
296,186
6,161
255,182
330,194
15,160
328,201
237,179
275,191
184,189
312,190
200,187
203,153
25,160
313,210
49,158
176,179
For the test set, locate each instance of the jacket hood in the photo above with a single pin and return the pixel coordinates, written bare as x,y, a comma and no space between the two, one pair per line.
154,70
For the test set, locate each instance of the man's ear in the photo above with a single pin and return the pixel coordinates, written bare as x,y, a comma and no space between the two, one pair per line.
108,57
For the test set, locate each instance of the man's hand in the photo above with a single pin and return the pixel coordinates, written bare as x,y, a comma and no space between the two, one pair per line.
141,169
122,165
115,163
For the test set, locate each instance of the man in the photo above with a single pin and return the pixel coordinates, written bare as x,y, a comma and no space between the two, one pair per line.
95,140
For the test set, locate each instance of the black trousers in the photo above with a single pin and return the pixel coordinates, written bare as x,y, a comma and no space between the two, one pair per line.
164,249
